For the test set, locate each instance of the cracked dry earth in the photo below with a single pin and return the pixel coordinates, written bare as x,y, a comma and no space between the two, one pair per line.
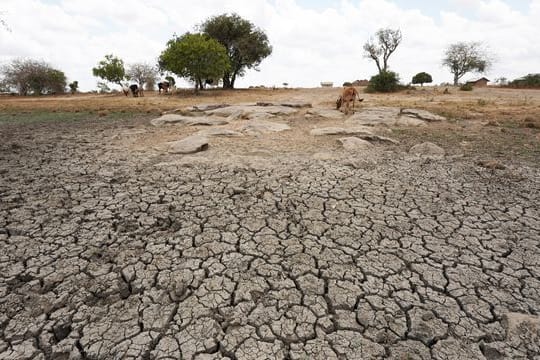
105,255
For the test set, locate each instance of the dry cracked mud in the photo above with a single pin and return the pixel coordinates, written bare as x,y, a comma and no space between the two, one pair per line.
109,253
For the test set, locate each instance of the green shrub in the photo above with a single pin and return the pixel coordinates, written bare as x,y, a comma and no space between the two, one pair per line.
466,87
386,81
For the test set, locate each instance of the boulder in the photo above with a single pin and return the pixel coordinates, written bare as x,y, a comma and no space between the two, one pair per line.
354,143
189,145
427,149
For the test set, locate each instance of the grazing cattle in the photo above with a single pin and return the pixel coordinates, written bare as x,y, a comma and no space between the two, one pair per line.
348,95
134,90
125,89
164,85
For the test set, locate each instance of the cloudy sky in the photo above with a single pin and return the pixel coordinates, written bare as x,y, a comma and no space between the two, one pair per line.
313,40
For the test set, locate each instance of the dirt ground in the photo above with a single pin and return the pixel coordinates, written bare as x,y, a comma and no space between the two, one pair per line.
272,245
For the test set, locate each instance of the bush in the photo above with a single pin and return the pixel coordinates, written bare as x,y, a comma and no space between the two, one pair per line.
347,83
386,81
466,87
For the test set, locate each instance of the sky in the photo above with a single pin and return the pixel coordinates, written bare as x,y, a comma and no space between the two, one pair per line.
312,40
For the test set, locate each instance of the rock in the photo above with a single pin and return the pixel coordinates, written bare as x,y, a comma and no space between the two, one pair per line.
260,126
378,138
251,112
491,164
169,119
354,143
208,121
409,121
191,144
188,120
375,116
219,132
326,113
422,114
340,131
292,104
207,107
427,149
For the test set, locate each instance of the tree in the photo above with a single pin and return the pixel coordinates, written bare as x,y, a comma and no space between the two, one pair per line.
73,86
387,81
142,74
422,78
196,57
33,77
385,43
464,57
110,69
246,45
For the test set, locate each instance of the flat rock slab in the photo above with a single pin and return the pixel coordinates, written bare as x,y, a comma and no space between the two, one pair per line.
256,127
375,116
208,107
427,149
220,132
189,145
326,113
253,111
293,104
341,131
353,143
422,114
188,120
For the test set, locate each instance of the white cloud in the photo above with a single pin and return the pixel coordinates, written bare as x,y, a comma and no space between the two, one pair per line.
310,45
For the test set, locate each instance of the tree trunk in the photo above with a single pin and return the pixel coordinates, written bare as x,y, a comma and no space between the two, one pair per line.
456,79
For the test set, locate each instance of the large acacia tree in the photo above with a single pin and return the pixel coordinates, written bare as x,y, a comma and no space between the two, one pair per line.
246,45
465,57
196,57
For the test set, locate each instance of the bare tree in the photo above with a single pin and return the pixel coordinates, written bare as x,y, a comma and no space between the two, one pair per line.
142,74
379,49
464,57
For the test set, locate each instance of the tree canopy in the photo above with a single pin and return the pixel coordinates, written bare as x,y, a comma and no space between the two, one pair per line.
110,69
246,45
422,78
196,57
464,57
379,49
33,77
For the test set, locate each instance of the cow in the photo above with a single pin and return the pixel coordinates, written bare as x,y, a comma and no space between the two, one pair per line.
348,95
164,85
134,90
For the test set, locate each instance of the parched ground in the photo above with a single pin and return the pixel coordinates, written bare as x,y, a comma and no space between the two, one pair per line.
275,246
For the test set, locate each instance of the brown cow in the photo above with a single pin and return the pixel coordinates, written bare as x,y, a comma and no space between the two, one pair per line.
348,95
